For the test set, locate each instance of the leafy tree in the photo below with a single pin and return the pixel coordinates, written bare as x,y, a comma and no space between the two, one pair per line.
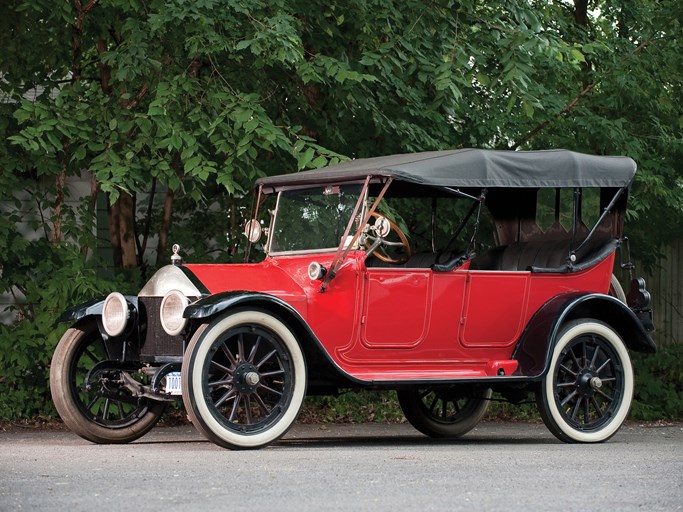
177,106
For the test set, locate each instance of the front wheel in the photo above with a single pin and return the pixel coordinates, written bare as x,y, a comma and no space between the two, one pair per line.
243,379
587,392
444,411
87,391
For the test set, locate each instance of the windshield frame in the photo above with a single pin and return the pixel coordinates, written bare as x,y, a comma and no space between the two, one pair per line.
275,216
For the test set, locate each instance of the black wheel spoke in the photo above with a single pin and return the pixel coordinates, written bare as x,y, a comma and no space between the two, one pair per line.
586,411
254,350
247,409
597,407
272,374
266,358
220,383
93,357
228,354
222,368
269,389
576,361
240,348
235,405
261,404
119,406
569,398
432,406
424,393
567,370
443,408
605,395
230,393
603,366
594,359
93,401
576,408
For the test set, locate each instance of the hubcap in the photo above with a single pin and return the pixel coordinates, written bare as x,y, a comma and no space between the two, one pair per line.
251,378
247,378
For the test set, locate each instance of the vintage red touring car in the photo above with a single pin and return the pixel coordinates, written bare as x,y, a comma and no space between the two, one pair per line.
441,275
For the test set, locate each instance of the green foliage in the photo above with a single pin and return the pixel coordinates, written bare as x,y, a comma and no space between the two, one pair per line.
45,278
26,346
659,384
353,407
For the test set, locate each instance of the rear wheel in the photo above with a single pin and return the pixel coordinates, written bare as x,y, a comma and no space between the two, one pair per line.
87,392
616,290
587,392
243,379
444,411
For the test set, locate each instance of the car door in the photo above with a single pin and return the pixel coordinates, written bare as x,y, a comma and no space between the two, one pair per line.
396,307
494,309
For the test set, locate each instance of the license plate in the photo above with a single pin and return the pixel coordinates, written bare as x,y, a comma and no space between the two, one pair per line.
173,386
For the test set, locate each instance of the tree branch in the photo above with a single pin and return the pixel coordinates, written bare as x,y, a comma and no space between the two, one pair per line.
81,12
141,94
570,106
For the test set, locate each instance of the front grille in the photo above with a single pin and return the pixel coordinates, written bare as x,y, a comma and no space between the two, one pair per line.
157,343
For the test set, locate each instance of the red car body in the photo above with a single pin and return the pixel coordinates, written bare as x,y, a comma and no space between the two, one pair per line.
449,333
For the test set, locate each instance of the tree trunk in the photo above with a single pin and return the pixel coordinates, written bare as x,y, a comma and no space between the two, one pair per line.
148,219
92,205
76,44
59,204
581,19
105,70
167,214
113,214
127,231
165,225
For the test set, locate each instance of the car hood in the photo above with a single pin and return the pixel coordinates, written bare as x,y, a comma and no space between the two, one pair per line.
266,277
207,279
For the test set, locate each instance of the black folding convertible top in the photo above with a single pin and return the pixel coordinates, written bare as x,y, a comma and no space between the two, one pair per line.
476,168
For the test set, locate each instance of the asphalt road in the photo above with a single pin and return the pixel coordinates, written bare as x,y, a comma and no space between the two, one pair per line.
498,466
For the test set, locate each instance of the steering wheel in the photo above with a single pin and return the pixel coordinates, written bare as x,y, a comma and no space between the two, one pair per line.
376,240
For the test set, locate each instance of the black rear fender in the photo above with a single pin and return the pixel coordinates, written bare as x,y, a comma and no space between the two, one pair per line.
535,345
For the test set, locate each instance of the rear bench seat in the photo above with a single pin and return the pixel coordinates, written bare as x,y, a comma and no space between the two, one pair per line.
546,256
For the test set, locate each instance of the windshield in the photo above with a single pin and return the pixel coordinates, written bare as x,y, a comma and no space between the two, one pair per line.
312,218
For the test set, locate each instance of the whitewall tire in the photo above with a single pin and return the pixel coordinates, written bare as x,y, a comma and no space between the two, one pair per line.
586,395
243,379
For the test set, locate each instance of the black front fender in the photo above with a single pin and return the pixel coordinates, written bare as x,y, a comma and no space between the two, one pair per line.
91,308
535,345
85,309
215,304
